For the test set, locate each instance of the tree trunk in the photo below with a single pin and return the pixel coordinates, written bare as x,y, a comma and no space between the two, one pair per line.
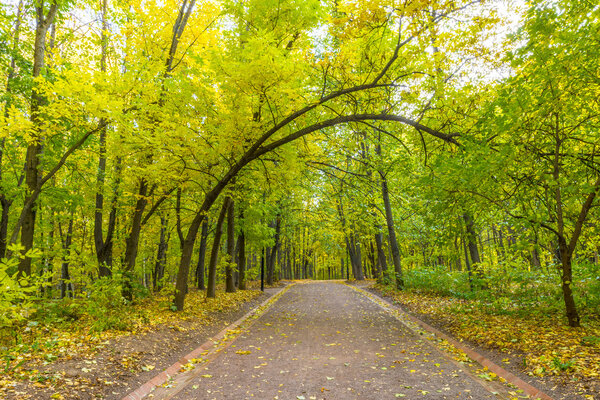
49,258
270,265
357,265
375,269
468,264
472,245
242,261
351,246
535,255
103,246
389,218
381,259
161,255
457,254
202,256
214,255
229,278
566,257
66,288
4,223
33,173
273,253
133,239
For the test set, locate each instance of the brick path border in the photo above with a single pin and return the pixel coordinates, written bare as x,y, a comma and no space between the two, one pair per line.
204,349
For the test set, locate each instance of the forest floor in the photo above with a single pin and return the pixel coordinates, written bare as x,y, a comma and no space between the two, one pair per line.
327,340
318,340
61,360
539,349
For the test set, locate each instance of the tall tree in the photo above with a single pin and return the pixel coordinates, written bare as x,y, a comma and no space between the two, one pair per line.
214,254
33,174
104,244
229,271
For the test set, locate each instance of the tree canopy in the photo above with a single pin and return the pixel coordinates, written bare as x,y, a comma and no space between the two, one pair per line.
323,139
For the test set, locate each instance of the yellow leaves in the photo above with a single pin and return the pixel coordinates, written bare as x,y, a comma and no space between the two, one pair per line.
75,340
16,123
549,347
187,367
243,352
498,112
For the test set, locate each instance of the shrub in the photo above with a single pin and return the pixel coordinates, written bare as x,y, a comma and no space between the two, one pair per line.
15,293
105,305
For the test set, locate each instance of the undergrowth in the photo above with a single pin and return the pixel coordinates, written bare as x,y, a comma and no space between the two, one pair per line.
521,313
67,328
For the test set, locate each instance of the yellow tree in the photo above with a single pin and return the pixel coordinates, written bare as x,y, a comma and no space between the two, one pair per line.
304,104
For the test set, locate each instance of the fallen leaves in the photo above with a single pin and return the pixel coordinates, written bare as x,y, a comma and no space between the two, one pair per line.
548,346
59,341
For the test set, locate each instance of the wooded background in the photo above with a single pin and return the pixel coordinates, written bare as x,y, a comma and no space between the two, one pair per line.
442,145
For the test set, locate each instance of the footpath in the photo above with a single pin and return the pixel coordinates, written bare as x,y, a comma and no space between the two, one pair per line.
326,340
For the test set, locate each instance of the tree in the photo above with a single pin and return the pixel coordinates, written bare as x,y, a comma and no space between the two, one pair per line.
281,131
551,111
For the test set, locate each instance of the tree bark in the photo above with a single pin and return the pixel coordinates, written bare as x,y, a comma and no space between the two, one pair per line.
381,259
202,256
6,203
214,255
273,253
356,258
161,255
566,257
468,263
132,241
34,150
375,267
66,288
104,246
242,261
471,236
389,218
229,276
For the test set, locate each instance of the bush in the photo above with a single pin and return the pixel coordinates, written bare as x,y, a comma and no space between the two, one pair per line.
105,305
15,293
439,280
587,288
61,310
513,288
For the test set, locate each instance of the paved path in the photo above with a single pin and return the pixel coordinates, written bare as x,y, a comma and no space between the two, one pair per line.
327,341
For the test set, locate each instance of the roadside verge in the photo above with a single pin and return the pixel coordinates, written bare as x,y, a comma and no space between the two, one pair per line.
414,324
174,378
